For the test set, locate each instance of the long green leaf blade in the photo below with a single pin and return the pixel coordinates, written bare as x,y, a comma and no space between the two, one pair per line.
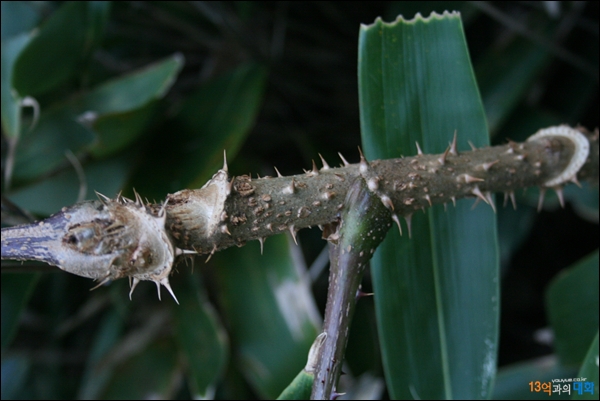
437,294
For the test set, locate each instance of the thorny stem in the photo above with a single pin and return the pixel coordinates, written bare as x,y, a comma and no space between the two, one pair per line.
109,239
259,208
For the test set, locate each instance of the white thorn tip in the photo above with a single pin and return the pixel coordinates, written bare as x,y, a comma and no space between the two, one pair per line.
293,232
408,219
511,195
490,199
442,158
315,170
278,173
466,178
541,199
132,286
453,149
477,192
397,221
165,283
225,168
262,242
103,198
560,195
343,159
387,202
419,151
325,165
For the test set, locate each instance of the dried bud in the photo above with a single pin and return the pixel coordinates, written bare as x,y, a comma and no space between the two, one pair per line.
104,240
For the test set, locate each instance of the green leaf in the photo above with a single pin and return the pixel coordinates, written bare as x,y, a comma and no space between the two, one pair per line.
16,290
97,372
589,370
133,90
506,74
216,117
220,115
270,312
54,54
120,110
512,382
11,102
200,336
572,304
43,149
49,195
436,294
17,17
122,107
147,374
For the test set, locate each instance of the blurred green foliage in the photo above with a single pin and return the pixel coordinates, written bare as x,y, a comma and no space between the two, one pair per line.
148,94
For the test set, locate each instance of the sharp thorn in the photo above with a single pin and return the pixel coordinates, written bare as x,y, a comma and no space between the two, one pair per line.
225,230
325,165
103,198
104,281
442,158
179,251
475,203
397,221
165,283
293,232
343,160
132,286
428,198
453,150
490,198
469,178
262,242
575,181
541,199
278,173
560,195
477,192
225,168
472,146
387,202
290,189
419,151
511,195
364,165
315,170
408,219
158,289
453,200
360,294
211,253
487,166
138,199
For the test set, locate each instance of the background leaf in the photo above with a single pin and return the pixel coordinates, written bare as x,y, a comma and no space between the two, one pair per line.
270,313
572,300
437,294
